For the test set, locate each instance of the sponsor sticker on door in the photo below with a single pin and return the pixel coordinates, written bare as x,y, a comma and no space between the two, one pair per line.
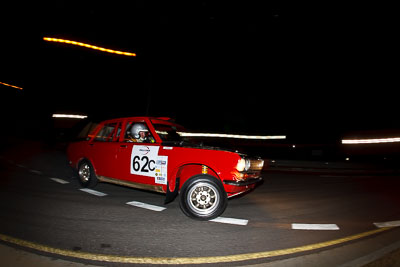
146,162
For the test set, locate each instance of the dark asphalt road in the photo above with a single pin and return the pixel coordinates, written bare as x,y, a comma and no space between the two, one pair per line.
39,209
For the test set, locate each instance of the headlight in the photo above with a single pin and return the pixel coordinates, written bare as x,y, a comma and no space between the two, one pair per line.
243,165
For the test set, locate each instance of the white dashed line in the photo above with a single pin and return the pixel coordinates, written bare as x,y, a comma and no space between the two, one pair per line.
145,206
230,221
36,172
234,221
93,192
387,224
314,226
58,180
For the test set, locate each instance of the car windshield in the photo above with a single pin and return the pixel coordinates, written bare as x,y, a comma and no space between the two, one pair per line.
174,134
168,133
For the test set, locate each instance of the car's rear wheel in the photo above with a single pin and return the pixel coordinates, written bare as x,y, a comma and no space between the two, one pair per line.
86,175
203,197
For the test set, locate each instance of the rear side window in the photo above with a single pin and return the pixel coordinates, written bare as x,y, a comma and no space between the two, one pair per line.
87,132
108,132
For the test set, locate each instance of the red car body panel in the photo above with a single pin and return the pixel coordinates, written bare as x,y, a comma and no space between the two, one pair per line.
157,165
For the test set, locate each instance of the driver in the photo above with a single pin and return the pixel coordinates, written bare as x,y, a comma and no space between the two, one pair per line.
139,133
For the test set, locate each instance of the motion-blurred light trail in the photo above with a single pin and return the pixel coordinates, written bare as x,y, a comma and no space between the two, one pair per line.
237,136
49,39
69,116
10,85
371,141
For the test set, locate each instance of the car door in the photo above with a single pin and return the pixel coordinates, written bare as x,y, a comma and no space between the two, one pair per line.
103,149
137,158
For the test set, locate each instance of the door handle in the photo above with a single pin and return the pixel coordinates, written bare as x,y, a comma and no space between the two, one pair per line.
123,146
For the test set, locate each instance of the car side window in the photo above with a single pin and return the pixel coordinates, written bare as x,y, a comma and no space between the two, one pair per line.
138,132
106,134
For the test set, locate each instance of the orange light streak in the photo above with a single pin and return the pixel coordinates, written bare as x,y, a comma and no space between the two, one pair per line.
49,39
6,84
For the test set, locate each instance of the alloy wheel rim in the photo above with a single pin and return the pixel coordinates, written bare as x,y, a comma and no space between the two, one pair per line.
203,198
84,172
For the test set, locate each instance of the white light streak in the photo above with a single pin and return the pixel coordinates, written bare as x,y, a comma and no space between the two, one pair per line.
237,136
69,116
370,141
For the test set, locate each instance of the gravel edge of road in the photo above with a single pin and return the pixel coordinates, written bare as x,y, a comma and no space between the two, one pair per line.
390,259
12,256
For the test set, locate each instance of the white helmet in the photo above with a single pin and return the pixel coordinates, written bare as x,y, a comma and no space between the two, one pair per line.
137,128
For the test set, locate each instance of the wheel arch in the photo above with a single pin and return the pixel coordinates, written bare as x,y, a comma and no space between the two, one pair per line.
183,173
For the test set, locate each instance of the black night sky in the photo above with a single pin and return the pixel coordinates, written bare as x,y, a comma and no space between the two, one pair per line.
251,67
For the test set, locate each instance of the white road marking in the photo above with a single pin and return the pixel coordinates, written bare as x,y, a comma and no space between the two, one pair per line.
20,165
145,206
58,180
387,224
314,226
93,192
35,171
230,221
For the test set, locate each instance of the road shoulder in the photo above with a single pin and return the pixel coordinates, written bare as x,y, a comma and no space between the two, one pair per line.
12,256
370,251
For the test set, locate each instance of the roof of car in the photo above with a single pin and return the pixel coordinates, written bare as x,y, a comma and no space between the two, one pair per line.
142,118
158,120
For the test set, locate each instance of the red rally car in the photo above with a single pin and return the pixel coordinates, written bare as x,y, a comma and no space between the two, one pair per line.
155,154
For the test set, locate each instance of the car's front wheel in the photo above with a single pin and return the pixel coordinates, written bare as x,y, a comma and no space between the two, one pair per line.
203,197
86,175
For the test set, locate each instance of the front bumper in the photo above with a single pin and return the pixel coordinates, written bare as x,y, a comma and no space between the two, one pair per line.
246,182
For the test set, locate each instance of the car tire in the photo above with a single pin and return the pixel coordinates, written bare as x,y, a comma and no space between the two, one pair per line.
203,197
86,175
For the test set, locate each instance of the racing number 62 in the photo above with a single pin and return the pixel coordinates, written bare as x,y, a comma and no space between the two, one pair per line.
143,164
